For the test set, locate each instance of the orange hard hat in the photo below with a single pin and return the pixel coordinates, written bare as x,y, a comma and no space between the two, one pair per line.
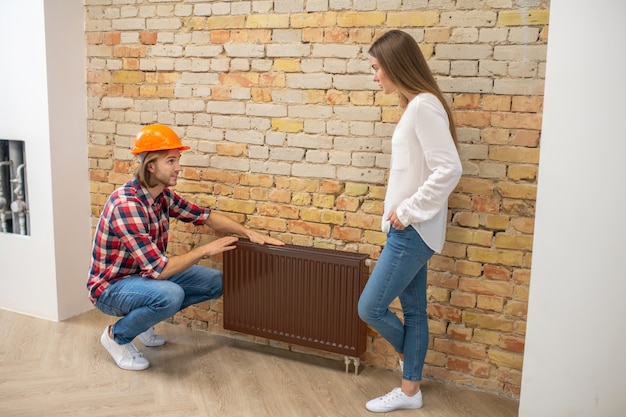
157,138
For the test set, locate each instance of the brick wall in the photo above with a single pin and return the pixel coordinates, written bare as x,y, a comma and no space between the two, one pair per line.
291,136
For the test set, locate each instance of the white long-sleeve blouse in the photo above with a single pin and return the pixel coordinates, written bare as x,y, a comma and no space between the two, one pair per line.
425,169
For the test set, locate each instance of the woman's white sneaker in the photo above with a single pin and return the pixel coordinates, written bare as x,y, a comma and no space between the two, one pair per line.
148,338
395,400
125,356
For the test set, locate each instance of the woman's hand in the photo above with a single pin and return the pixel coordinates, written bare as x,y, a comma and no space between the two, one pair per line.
395,221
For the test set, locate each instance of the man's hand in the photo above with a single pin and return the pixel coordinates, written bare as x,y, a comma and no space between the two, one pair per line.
262,239
220,245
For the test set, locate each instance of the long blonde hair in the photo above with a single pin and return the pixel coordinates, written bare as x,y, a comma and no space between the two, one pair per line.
404,64
143,174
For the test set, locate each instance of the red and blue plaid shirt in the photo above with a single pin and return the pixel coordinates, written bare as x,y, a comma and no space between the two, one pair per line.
131,236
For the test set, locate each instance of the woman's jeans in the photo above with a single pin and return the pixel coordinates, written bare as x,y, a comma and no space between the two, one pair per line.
400,272
143,302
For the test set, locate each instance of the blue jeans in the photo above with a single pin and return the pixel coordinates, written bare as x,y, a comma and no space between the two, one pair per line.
143,302
400,272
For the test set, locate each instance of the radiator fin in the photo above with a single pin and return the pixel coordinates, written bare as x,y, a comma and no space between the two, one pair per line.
303,296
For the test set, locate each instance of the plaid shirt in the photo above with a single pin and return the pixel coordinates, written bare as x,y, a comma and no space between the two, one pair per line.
131,236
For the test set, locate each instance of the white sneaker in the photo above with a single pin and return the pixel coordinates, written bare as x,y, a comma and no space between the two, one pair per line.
125,356
148,338
395,400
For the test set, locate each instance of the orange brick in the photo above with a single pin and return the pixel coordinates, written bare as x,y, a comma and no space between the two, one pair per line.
307,228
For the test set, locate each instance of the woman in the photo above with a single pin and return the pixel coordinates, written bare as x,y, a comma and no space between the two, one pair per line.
425,169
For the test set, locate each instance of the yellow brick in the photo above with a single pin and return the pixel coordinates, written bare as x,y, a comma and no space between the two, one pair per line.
355,190
301,199
428,50
514,242
323,200
508,359
362,98
496,222
235,206
524,17
377,192
373,207
413,19
375,238
313,20
523,191
226,22
498,257
195,23
360,19
267,21
314,96
470,236
289,126
487,322
311,214
256,180
286,65
332,217
127,77
437,35
391,114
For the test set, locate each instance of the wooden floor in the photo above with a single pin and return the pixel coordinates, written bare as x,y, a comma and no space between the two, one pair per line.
52,369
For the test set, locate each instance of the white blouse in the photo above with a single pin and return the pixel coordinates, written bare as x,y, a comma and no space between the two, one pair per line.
425,169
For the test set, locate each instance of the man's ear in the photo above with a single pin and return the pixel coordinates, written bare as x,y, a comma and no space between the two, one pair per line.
150,167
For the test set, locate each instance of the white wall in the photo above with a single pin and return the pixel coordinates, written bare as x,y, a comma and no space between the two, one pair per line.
574,360
43,103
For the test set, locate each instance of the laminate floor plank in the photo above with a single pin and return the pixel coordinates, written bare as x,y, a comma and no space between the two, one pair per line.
50,369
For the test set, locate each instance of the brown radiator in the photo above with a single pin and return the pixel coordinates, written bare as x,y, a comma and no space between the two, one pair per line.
299,295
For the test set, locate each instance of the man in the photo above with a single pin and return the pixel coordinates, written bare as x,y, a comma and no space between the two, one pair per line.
130,275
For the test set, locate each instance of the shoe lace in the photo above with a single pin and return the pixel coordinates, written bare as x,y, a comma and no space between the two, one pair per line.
391,395
132,352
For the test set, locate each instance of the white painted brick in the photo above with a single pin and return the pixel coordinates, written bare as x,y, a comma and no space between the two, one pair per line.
200,65
492,170
309,81
200,78
287,35
472,18
464,35
523,69
231,122
488,68
186,105
269,110
383,161
340,158
269,167
335,51
521,87
226,107
129,37
465,85
313,171
228,163
167,50
363,159
144,10
200,38
313,126
493,35
310,112
439,67
445,51
362,128
164,64
287,6
338,127
204,133
129,24
522,53
207,147
239,8
151,105
163,24
202,10
104,127
288,50
354,82
262,124
358,113
220,64
117,103
263,6
183,10
464,68
275,138
365,5
301,140
221,9
203,51
339,4
245,136
258,152
286,96
469,168
362,66
500,4
183,64
317,5
312,65
99,50
523,35
202,119
247,50
391,5
334,66
184,119
165,10
261,65
166,37
287,154
128,11
316,157
357,144
240,64
473,151
240,93
97,25
367,175
468,134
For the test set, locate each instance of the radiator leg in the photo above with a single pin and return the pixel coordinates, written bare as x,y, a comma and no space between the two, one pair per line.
347,361
357,362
